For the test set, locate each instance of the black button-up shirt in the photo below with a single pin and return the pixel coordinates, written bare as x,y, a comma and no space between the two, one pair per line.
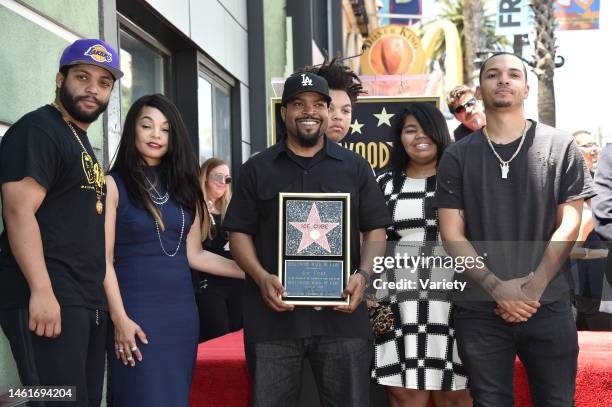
254,210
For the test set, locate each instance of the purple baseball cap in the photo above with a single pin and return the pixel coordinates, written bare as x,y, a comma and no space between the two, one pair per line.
93,52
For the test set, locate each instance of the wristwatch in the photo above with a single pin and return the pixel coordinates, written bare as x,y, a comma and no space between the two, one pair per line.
364,274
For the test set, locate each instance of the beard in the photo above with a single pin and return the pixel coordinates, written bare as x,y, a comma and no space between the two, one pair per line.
502,103
70,103
308,140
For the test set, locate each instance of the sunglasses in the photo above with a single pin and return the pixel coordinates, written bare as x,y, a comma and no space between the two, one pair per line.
588,145
222,179
461,108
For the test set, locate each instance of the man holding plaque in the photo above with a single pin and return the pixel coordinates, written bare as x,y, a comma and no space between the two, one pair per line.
305,239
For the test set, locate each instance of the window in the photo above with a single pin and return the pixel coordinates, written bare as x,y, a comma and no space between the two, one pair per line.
214,116
205,119
144,62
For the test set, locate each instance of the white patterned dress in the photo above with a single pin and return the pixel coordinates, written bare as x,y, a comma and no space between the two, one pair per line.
421,351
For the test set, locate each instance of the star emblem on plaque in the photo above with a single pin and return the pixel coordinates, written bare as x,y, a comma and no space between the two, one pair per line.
314,232
314,247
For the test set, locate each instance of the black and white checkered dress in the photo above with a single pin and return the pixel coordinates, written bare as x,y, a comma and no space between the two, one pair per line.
421,351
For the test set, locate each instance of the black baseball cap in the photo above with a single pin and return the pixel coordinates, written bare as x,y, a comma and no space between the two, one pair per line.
305,82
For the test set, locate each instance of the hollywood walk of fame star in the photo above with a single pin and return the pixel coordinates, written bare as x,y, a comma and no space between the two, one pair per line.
356,127
313,230
384,117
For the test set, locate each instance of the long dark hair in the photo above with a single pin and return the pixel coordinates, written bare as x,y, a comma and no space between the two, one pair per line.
433,124
178,169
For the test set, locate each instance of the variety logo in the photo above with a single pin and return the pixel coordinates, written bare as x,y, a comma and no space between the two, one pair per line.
99,53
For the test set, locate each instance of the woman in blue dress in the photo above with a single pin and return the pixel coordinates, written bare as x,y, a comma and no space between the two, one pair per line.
153,238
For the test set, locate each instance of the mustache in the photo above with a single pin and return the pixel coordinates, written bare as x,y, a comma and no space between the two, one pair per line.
308,117
504,88
93,98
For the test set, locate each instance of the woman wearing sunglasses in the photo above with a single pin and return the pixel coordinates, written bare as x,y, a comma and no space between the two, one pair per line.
220,297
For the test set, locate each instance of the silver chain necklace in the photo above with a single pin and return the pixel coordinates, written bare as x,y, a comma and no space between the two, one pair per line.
505,165
158,199
180,236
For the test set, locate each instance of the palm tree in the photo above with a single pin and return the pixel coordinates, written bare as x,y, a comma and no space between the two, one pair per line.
453,10
544,59
473,39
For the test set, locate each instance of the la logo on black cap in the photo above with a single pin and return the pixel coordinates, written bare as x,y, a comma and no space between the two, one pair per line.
306,81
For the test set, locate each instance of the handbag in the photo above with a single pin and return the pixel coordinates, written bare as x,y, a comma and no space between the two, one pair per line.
382,318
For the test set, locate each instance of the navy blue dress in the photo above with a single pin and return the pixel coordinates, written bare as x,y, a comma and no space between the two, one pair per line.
158,295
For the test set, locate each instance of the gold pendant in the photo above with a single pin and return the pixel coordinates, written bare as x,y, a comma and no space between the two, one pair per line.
99,207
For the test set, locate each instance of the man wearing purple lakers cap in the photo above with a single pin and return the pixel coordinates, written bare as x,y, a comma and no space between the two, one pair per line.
52,259
278,336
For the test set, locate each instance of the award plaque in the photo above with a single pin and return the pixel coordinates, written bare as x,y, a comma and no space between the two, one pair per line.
314,247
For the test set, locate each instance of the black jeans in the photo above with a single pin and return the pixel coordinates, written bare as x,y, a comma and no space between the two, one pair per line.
75,358
547,345
341,368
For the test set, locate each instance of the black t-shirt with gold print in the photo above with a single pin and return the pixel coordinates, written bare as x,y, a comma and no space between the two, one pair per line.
42,146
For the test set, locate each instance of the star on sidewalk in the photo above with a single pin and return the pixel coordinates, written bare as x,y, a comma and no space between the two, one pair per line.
384,117
313,230
356,127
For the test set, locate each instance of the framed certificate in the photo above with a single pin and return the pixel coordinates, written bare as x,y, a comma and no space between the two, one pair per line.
314,247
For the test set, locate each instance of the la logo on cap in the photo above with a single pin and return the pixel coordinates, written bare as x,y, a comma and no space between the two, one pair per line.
99,53
306,81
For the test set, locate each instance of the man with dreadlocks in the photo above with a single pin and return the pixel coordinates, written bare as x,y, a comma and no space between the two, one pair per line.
344,87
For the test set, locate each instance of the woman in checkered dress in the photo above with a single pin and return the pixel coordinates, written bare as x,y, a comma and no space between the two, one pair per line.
418,358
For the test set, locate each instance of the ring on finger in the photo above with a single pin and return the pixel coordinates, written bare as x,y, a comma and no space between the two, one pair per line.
120,350
130,358
134,348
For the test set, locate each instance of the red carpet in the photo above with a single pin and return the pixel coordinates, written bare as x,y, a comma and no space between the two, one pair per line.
221,376
594,380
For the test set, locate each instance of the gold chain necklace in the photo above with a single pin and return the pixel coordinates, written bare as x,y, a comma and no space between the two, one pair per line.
97,176
505,165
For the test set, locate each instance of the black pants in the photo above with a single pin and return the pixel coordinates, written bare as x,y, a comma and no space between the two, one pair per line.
341,369
547,344
589,318
220,307
75,358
